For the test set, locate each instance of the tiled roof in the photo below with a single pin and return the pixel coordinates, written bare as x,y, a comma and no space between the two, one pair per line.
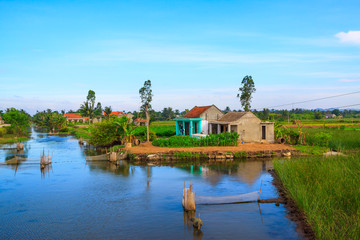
196,111
74,115
116,113
139,120
232,116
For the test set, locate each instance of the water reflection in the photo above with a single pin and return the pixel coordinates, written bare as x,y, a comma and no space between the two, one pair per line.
120,168
247,171
46,170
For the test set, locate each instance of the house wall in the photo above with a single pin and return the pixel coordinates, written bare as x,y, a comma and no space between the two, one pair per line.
211,114
248,128
270,135
204,127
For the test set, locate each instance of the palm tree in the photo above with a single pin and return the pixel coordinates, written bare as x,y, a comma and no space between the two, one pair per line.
87,109
107,112
128,130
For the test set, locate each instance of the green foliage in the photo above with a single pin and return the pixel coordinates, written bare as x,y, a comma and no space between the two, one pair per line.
327,190
115,148
52,121
222,139
80,132
333,138
142,134
320,139
104,133
19,120
247,89
127,128
241,154
2,132
313,150
114,130
107,112
186,155
160,131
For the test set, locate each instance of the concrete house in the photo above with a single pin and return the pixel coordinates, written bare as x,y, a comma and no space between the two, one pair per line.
196,120
246,124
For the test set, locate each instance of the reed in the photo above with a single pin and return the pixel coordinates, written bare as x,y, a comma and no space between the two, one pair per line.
327,190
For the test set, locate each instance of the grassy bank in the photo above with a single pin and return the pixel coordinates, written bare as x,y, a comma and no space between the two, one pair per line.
80,132
11,138
327,190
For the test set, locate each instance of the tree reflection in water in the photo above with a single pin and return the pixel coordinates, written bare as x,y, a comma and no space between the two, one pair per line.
247,171
120,168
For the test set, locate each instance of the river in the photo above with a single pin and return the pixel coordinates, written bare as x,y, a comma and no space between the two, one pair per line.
75,199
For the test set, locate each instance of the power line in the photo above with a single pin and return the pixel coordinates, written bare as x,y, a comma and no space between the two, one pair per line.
313,100
345,106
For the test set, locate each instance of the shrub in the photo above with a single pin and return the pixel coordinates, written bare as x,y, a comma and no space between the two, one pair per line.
103,134
2,132
9,130
222,139
142,135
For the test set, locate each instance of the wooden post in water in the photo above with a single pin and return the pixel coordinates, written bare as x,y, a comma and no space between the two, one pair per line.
113,156
188,201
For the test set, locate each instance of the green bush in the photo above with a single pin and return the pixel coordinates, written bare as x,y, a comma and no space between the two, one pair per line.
222,139
103,134
64,129
152,135
9,130
2,132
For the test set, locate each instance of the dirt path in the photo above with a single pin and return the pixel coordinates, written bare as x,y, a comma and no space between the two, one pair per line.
248,147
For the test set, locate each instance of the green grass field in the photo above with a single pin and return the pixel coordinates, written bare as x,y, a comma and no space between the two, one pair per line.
338,138
322,122
162,123
327,190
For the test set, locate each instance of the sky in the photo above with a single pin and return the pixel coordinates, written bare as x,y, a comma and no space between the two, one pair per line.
194,52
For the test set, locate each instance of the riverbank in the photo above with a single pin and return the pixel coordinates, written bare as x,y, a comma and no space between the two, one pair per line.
146,152
11,138
326,191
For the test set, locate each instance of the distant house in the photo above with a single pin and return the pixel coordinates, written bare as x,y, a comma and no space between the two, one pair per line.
196,120
249,127
140,122
120,114
75,117
330,115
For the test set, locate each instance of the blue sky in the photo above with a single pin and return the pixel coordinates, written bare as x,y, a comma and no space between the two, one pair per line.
194,52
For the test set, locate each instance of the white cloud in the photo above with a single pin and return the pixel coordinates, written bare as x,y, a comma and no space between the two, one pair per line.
349,80
351,37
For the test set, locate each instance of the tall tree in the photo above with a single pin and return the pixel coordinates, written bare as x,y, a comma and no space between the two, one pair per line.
247,89
88,109
146,98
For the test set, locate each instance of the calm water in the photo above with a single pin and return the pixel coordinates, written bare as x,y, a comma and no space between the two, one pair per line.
75,199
